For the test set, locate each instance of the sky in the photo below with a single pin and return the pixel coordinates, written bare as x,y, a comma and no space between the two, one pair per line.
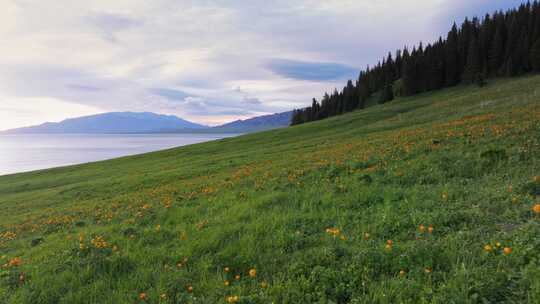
206,61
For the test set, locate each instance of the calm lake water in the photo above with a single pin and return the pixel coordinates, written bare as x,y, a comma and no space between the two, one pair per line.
20,153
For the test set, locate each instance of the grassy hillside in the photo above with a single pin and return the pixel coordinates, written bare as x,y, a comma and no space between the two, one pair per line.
423,200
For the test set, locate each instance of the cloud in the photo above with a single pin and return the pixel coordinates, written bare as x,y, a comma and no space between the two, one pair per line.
252,101
207,61
84,88
111,23
312,71
170,94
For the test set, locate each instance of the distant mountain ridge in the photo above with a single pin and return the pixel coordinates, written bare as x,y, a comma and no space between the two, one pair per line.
113,122
147,122
260,123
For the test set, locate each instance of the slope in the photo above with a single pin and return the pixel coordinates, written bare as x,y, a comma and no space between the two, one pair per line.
335,211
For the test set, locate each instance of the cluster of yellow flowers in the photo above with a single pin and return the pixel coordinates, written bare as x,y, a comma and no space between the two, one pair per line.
167,203
422,228
497,246
99,242
82,246
252,273
233,299
163,296
182,263
335,232
8,235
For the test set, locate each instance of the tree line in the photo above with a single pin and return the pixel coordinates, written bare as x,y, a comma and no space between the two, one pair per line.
502,44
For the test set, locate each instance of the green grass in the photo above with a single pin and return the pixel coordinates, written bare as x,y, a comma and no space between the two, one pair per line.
462,160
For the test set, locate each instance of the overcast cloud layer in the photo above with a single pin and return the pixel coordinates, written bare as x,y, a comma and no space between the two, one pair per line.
206,61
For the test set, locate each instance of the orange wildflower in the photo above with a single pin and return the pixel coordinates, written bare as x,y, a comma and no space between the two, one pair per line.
15,262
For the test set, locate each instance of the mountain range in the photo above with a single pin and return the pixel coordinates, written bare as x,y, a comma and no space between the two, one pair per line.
146,122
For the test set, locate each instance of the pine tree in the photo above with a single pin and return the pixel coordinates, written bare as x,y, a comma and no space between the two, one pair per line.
512,48
464,40
535,56
472,68
314,110
496,53
452,57
387,94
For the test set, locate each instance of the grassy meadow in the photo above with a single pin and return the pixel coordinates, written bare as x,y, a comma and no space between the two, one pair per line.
427,199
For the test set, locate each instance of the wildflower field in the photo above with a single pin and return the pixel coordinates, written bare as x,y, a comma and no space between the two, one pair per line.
429,199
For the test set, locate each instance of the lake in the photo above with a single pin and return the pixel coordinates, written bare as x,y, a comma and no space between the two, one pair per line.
27,152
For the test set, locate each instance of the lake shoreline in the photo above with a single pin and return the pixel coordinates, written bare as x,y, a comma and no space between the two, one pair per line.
20,153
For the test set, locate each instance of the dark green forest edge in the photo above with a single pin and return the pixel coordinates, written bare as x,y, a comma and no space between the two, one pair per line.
502,44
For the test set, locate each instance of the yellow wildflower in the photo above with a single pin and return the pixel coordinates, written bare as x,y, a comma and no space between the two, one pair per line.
253,272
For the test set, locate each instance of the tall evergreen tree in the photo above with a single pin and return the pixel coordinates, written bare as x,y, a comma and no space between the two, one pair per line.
410,77
452,77
472,69
496,53
522,54
535,56
387,94
512,47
